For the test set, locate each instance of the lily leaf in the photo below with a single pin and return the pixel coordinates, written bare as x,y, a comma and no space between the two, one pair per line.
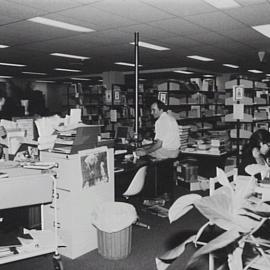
235,259
221,241
223,179
200,231
182,205
177,251
243,190
254,169
217,209
161,265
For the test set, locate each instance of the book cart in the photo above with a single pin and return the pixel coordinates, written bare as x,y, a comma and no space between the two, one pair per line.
25,187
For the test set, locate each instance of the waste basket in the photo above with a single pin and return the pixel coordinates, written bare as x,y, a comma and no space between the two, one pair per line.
113,221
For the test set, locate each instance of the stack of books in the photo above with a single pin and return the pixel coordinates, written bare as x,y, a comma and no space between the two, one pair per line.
183,134
219,146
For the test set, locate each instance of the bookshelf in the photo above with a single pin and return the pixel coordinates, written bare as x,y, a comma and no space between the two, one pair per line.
254,101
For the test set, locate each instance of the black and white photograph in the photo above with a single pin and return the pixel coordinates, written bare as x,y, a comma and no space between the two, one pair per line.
94,168
165,164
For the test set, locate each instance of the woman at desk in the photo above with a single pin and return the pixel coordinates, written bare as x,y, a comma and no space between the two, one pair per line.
256,151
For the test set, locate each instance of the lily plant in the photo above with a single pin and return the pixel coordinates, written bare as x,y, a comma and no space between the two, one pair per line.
234,208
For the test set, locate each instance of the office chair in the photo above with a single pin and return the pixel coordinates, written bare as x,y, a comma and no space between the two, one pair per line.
136,187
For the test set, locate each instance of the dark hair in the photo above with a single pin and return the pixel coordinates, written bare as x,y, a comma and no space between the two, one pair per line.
160,105
3,92
259,136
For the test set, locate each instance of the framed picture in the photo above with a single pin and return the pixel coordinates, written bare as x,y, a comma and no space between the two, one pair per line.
94,166
163,96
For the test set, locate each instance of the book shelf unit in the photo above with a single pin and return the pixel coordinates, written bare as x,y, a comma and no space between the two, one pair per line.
192,105
256,110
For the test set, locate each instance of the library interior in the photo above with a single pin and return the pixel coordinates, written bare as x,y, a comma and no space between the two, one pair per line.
134,134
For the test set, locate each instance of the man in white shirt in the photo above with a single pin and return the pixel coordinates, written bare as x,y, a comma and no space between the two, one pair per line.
167,141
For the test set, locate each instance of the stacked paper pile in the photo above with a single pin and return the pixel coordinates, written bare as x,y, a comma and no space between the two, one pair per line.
183,134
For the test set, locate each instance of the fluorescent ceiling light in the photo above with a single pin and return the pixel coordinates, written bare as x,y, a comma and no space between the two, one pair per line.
184,72
12,65
255,71
70,56
3,46
34,73
200,58
59,24
223,3
265,80
5,77
263,29
126,64
100,80
65,69
231,66
151,46
80,79
208,76
45,81
267,74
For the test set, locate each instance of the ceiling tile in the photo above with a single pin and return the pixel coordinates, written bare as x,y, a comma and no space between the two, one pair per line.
147,32
47,5
251,15
182,7
17,11
215,21
178,26
138,11
101,19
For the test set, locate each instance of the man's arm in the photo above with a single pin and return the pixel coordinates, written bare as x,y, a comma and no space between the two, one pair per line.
149,149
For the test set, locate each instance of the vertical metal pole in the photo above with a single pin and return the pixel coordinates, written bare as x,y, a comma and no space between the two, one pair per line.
136,40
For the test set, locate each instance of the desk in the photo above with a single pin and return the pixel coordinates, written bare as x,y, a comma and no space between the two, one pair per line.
208,161
159,177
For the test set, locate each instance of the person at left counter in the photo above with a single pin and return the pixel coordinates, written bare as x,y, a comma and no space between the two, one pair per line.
9,107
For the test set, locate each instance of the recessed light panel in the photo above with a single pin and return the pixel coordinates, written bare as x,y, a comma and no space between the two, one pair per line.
263,29
184,72
151,46
5,77
44,81
3,46
255,71
223,4
62,25
80,79
126,64
69,70
200,58
34,73
231,66
12,65
70,56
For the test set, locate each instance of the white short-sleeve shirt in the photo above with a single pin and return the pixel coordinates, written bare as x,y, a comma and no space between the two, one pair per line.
167,130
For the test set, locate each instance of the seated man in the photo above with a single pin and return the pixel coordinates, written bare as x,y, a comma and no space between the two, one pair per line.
167,141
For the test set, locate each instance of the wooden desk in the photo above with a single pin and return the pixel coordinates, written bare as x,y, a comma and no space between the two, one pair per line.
208,161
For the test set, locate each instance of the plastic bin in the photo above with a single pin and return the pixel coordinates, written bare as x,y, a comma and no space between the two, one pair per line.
113,221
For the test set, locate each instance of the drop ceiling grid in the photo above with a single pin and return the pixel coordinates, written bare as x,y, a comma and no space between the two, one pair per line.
48,5
101,20
182,7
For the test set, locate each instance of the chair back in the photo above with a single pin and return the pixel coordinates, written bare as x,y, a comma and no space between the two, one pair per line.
137,183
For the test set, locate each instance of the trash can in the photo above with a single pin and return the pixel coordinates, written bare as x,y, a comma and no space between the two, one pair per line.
113,221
